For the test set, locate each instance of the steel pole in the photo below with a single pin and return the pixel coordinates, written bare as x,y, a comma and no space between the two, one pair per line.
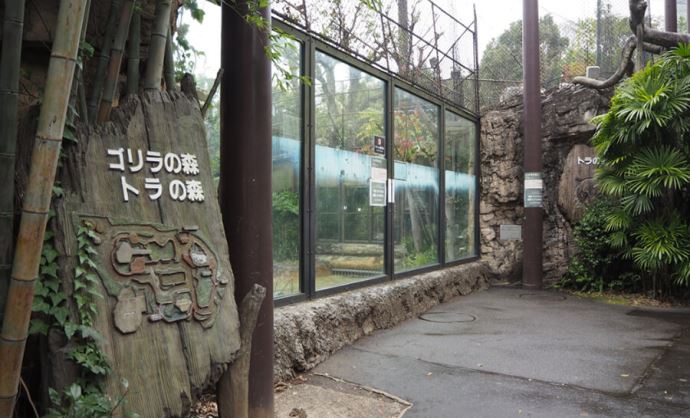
532,252
245,185
687,15
670,16
599,33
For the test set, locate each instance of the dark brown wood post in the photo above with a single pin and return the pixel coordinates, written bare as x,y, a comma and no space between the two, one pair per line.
534,213
670,16
245,186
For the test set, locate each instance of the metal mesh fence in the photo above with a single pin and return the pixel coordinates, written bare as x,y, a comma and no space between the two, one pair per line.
416,40
594,36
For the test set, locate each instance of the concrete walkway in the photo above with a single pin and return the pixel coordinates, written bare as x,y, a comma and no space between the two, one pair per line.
511,352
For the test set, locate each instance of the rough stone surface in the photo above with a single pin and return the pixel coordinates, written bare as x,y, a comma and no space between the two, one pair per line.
306,334
566,115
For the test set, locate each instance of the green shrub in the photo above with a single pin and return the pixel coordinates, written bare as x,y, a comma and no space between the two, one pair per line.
591,267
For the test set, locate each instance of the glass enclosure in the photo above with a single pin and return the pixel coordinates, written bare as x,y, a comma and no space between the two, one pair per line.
416,126
345,136
461,181
349,113
287,150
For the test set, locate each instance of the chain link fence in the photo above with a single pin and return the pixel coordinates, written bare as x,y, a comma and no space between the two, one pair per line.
568,45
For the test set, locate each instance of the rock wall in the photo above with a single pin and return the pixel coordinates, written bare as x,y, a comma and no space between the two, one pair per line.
566,115
307,333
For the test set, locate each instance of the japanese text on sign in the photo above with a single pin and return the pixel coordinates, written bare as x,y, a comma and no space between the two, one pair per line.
134,161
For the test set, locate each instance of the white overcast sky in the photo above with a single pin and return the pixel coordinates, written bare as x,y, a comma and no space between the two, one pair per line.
493,17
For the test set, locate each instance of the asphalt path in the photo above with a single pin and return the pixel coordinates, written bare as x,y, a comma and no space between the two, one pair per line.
509,352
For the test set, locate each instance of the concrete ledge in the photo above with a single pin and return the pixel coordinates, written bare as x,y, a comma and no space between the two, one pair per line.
307,333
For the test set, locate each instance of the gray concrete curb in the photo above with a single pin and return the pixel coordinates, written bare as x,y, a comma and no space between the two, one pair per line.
306,334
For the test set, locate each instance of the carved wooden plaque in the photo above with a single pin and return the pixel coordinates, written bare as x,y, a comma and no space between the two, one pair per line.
143,182
576,186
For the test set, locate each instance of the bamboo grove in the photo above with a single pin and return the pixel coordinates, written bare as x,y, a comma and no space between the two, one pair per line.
65,99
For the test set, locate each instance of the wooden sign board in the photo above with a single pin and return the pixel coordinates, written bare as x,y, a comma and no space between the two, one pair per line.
576,185
143,183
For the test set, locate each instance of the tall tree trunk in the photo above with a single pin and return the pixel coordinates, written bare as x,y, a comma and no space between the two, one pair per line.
44,159
159,37
103,58
133,46
404,49
10,60
115,61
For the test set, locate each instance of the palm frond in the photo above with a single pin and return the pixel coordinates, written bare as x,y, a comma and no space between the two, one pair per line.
653,167
637,204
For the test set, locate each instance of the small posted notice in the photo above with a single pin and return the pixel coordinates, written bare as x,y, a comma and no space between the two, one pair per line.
534,190
377,193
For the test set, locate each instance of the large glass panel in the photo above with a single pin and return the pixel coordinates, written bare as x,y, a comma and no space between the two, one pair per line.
460,187
416,127
350,173
287,145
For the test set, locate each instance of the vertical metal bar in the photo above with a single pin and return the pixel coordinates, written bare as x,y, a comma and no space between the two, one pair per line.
245,186
477,188
670,16
389,250
311,146
532,253
305,188
477,103
599,33
687,16
441,167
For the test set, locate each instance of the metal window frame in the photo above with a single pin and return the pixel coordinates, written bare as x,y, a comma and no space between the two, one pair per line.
309,46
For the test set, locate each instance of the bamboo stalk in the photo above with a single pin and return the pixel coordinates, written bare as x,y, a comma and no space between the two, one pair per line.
133,46
115,61
44,159
159,36
81,101
103,58
77,83
211,93
169,64
10,61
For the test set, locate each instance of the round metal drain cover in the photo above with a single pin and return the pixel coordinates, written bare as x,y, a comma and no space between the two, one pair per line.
447,317
542,296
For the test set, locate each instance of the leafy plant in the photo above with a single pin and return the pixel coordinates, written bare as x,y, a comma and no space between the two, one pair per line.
286,225
79,402
591,269
644,148
86,398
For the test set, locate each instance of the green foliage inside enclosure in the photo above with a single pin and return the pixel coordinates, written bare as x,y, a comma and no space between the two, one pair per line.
644,145
286,225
